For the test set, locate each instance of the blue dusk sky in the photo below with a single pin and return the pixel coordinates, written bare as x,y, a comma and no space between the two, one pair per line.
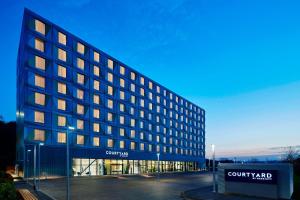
239,60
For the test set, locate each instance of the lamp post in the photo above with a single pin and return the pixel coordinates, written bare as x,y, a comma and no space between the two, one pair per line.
158,154
40,144
214,172
27,165
70,128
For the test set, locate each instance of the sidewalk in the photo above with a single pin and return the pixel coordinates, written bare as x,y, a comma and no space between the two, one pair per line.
25,185
207,194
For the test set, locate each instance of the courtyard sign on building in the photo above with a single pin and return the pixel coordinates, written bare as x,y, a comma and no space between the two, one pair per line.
251,176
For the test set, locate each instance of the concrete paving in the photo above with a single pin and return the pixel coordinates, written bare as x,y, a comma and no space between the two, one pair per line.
169,186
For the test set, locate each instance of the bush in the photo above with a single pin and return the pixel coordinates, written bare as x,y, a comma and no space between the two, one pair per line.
8,191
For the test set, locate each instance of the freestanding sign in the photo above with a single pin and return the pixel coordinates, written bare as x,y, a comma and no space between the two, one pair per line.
251,176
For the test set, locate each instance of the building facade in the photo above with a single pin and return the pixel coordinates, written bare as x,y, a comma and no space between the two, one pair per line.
117,120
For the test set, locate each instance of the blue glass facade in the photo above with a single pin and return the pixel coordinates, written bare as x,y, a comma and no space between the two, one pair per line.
115,111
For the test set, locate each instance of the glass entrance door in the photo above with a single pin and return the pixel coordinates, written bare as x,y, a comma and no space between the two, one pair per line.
116,169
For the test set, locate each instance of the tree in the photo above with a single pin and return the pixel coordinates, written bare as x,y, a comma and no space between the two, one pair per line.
291,154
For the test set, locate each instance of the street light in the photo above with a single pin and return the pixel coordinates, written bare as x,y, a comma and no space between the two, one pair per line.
27,164
70,128
40,144
158,154
214,172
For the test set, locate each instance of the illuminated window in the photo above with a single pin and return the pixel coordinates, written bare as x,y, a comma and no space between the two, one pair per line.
122,120
141,135
80,139
61,120
110,77
157,138
150,137
142,146
96,113
109,129
142,80
96,141
132,76
150,147
80,79
96,127
79,94
61,71
122,144
40,63
39,98
122,131
122,107
39,135
142,102
142,92
110,90
109,116
62,55
150,85
132,122
132,133
61,137
40,27
122,82
62,38
96,70
39,117
96,85
61,104
110,64
96,56
80,63
96,99
132,145
110,143
157,148
122,70
132,99
110,104
39,81
142,113
80,109
132,87
80,48
62,88
122,95
79,124
39,45
157,89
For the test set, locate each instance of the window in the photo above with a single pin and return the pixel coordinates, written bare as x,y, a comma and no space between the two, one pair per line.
96,56
110,104
142,102
122,120
142,81
62,88
40,63
150,137
96,85
110,143
110,64
150,147
62,38
142,92
80,109
132,76
122,107
61,120
61,137
122,95
96,113
157,148
122,82
96,141
62,55
79,124
132,133
96,70
132,87
109,116
150,85
80,48
122,70
96,127
40,27
122,131
142,146
110,90
80,63
39,98
39,45
132,122
39,135
80,139
79,94
39,81
80,79
61,71
157,89
61,104
109,129
132,145
39,117
132,99
110,77
122,144
96,99
141,135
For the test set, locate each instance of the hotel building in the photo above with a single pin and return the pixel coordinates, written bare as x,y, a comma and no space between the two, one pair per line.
115,119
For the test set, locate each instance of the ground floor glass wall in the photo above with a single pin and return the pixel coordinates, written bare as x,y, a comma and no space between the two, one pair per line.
85,167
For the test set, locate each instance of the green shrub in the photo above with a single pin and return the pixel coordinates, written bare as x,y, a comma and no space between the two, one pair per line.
8,191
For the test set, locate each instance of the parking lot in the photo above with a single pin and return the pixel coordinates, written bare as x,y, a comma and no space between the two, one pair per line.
167,186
